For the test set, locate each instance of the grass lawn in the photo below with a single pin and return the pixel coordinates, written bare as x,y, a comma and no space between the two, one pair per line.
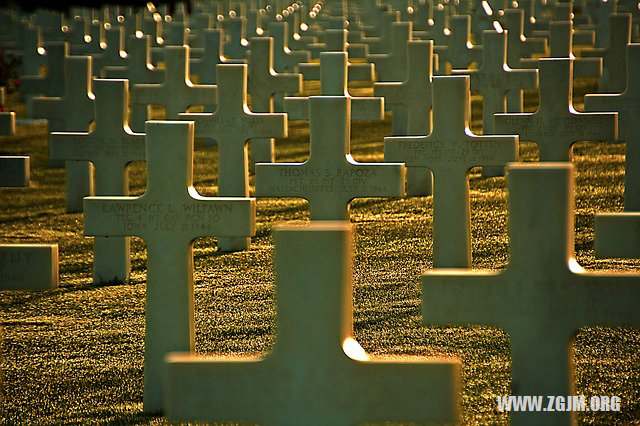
75,354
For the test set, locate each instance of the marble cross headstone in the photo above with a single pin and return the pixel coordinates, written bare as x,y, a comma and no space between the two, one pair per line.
390,66
459,51
110,147
139,70
69,113
494,79
543,296
28,266
561,36
330,178
556,125
449,151
317,373
264,82
114,54
176,93
614,77
231,126
168,216
627,105
205,67
333,82
410,103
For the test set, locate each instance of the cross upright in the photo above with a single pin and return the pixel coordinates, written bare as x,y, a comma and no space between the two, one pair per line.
317,374
264,82
410,103
556,125
285,59
176,93
231,126
330,178
110,147
390,66
543,296
139,70
168,216
459,51
614,77
333,82
72,112
212,55
449,151
627,105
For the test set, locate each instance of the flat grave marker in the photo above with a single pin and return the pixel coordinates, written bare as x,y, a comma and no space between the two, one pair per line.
28,266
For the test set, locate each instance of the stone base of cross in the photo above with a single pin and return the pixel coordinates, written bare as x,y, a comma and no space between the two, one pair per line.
317,373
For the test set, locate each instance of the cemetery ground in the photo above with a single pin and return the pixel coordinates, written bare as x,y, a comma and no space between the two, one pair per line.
75,354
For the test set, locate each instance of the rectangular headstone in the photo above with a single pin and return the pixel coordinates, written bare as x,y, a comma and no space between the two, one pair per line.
14,171
28,266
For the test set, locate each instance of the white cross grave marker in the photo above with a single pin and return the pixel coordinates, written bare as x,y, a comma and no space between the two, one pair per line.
495,79
614,77
231,126
69,113
459,51
110,147
449,151
264,82
285,59
168,216
543,296
410,102
317,373
556,125
176,93
627,105
139,70
390,66
330,178
333,82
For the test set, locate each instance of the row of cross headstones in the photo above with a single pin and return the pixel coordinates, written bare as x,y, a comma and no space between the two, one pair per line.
434,151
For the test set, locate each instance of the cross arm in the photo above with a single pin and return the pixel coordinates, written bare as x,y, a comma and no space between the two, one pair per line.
147,93
285,180
49,108
617,235
404,149
88,147
219,216
117,216
587,67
